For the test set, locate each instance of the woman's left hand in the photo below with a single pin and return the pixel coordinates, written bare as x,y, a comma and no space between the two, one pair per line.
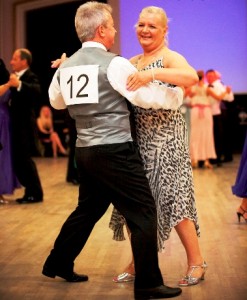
56,63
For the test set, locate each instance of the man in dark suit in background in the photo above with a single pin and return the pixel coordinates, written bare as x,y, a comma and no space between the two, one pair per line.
25,90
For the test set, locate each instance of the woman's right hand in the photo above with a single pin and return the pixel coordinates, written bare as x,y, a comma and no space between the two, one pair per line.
138,79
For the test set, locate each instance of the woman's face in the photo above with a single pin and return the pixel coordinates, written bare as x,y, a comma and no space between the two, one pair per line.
150,31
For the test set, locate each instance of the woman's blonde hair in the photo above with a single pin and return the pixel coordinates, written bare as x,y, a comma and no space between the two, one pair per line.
157,11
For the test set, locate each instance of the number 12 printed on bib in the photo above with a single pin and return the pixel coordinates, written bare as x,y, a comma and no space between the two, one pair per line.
79,84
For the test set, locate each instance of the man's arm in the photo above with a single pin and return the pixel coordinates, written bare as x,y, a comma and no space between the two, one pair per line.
151,95
55,95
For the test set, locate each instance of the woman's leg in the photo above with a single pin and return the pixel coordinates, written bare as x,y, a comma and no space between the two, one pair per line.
188,236
207,164
56,144
242,210
131,266
244,203
129,271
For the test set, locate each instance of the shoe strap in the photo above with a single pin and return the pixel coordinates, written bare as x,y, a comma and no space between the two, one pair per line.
245,211
203,266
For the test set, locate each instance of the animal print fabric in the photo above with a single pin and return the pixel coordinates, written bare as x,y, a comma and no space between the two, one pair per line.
163,143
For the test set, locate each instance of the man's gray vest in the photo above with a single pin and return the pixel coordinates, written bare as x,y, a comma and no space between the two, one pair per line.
106,122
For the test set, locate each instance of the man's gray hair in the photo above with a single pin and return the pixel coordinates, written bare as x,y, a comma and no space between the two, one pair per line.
89,17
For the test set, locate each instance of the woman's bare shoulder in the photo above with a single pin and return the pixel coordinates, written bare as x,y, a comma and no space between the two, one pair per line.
173,58
172,54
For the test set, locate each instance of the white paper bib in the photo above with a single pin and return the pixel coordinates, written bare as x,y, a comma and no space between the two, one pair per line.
79,84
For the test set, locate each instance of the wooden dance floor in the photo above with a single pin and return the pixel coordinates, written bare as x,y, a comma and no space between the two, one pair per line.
28,232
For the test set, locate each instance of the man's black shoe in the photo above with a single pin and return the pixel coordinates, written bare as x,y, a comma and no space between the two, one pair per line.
70,277
28,199
227,159
158,292
74,181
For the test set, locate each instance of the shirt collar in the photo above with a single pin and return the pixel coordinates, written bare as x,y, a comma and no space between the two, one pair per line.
19,74
93,44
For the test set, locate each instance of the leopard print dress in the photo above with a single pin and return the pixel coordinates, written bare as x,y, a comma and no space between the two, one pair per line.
163,143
